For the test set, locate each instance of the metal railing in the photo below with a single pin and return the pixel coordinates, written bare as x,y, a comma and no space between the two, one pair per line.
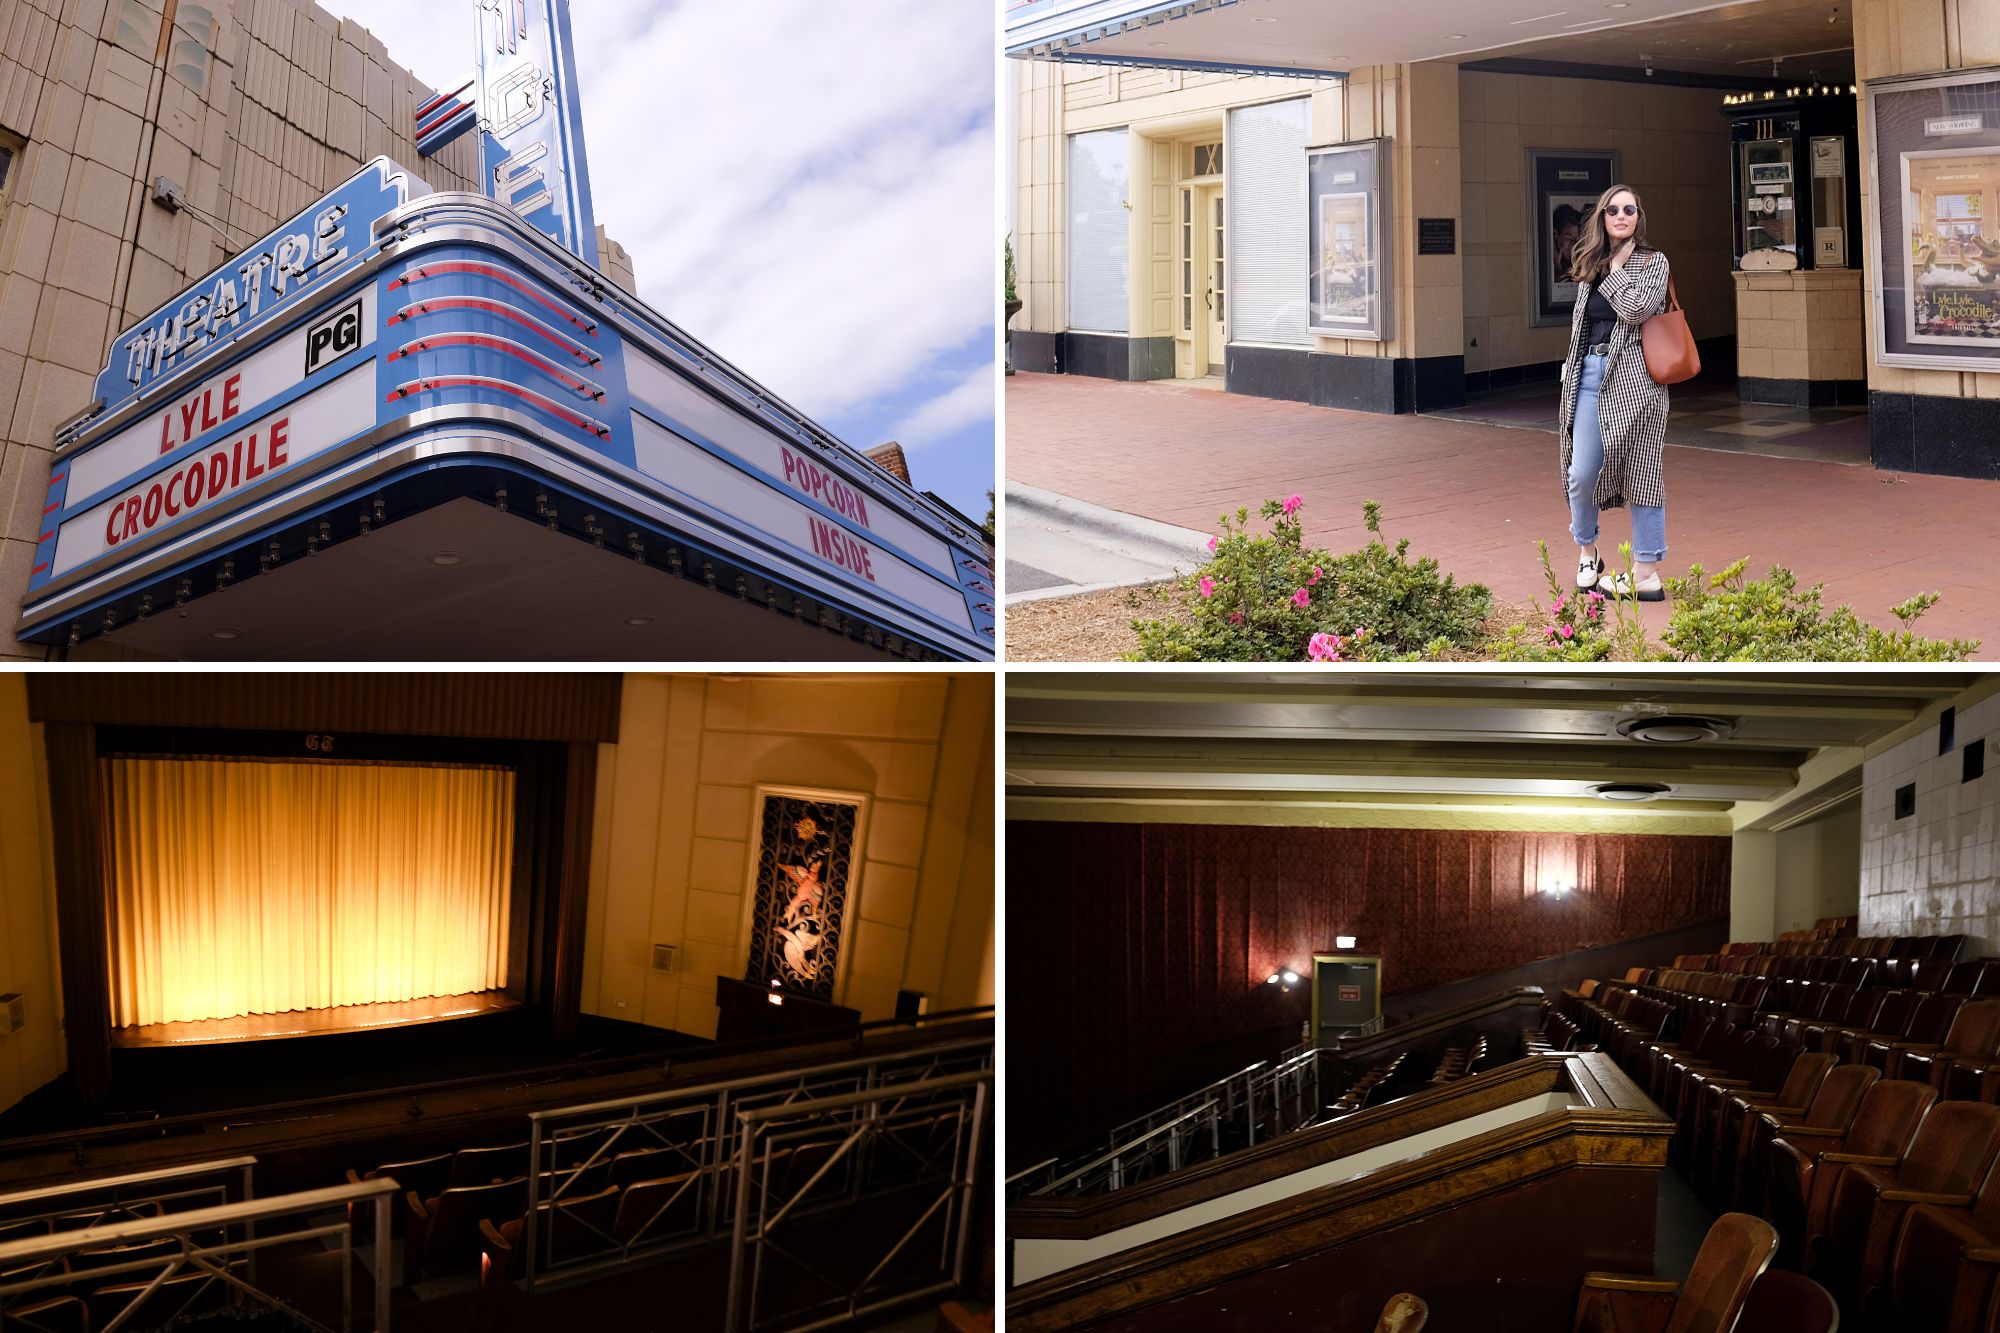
1127,1163
1231,1093
698,1134
789,1167
207,1246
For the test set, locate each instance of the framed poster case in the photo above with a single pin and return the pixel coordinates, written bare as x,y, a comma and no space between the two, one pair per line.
1347,241
1934,158
1564,184
1347,992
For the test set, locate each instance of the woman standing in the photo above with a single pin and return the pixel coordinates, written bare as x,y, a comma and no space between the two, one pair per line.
1614,416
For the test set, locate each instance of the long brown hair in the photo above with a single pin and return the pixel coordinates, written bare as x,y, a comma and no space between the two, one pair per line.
1592,256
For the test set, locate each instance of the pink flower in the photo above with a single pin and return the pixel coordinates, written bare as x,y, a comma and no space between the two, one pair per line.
1301,599
1595,595
1211,546
1235,617
1291,505
1561,602
1550,633
1315,578
1568,632
1207,586
1594,611
1324,648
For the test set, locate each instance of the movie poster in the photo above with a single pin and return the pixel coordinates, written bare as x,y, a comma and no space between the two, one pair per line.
1563,217
1563,186
1934,152
1347,241
1951,216
1346,267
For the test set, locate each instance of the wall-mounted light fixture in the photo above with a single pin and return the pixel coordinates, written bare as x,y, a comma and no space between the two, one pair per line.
1284,976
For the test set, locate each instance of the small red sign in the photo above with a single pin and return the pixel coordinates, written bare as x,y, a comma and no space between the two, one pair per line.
1350,992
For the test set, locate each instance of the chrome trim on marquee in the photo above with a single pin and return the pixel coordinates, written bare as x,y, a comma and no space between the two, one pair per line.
349,465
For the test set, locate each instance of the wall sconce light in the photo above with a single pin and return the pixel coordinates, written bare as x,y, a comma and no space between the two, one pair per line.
1284,976
1343,941
1559,889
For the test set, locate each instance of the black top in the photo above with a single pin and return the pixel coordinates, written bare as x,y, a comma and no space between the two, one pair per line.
1600,318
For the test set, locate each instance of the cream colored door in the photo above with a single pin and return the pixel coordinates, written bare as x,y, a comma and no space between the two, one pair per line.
1214,274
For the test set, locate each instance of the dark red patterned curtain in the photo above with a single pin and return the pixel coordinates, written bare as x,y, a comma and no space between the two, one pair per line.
1137,953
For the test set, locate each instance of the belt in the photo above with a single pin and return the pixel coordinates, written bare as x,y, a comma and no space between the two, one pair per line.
1600,349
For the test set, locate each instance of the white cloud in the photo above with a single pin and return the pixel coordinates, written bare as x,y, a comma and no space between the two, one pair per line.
806,186
965,403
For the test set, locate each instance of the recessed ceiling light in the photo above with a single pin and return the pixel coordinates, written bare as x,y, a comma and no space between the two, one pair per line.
1628,791
1454,37
1263,20
225,634
638,620
447,558
1674,729
1619,4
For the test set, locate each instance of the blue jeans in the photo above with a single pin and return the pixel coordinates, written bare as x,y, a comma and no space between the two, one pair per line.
1586,460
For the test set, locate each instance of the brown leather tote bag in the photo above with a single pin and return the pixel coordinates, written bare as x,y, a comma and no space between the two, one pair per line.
1670,352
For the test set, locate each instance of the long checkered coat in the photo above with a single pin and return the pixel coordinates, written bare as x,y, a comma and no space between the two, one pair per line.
1631,407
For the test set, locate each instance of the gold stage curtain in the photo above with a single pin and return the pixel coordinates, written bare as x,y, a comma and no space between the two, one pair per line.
247,887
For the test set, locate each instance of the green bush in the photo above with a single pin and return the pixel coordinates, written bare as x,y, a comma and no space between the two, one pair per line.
1577,627
1723,618
1267,597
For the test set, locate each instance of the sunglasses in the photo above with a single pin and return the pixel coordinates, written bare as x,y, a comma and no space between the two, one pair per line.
1629,210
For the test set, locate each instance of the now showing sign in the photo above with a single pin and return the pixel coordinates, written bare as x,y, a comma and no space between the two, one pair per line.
235,462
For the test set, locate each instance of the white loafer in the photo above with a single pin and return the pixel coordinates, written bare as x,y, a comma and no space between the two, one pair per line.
1588,571
1648,589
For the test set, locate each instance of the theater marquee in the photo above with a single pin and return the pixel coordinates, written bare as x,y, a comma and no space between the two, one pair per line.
391,354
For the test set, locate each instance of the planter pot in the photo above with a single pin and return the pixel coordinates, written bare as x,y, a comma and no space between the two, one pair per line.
1013,309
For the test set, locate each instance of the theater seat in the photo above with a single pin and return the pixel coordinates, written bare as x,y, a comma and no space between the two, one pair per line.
1785,1302
1737,1249
655,1210
1806,1164
1973,1038
424,1177
1951,1154
568,1230
1740,1109
1942,1271
481,1166
443,1236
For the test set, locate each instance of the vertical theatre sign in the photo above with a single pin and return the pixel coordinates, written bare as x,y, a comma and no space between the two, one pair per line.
805,871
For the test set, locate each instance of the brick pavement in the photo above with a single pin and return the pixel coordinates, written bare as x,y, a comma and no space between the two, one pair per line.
1477,497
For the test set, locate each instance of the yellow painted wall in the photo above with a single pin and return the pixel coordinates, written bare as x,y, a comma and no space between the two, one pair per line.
1673,146
31,1057
671,854
1919,37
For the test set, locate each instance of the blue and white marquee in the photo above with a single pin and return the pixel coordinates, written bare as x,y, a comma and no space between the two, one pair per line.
393,358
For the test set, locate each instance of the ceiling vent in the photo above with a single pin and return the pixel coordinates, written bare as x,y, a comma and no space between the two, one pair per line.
1628,791
664,956
1675,729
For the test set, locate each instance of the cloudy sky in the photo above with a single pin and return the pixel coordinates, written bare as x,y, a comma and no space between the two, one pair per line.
805,185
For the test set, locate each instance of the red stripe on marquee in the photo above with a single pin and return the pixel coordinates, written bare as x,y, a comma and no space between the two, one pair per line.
442,98
519,353
56,478
547,404
47,536
39,568
52,506
526,321
498,274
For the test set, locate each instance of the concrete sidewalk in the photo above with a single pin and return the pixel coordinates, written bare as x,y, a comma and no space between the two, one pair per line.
1478,497
1059,547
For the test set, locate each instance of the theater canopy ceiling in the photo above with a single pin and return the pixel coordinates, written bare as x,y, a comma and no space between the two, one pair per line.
1414,746
1725,44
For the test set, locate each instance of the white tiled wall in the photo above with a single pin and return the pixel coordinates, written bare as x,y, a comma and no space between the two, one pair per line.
1933,873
